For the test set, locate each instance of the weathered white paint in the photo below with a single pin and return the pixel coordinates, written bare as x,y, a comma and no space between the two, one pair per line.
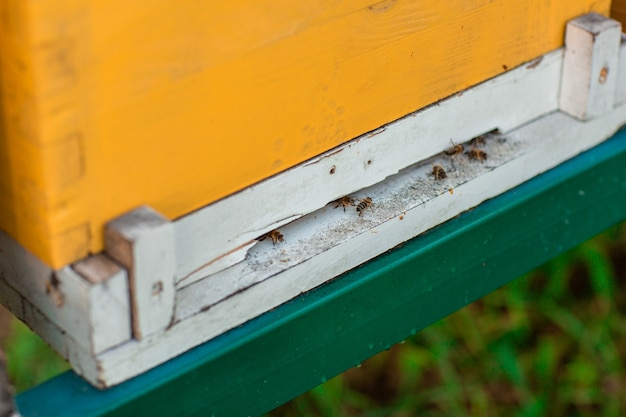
60,340
234,257
525,153
504,102
81,360
143,242
102,287
68,300
590,67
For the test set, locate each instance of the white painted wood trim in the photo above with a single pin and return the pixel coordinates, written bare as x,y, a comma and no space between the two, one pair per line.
535,148
107,302
143,242
230,226
69,300
82,360
592,44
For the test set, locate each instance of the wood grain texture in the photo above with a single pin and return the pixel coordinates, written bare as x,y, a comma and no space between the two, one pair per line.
108,105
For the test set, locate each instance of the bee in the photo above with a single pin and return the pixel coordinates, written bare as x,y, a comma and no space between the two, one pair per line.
438,172
344,201
275,235
365,203
478,141
476,155
454,150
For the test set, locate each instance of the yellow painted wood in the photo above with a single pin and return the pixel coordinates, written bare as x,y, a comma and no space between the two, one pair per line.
109,104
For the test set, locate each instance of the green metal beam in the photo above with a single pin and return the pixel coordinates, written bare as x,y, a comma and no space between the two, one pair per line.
285,352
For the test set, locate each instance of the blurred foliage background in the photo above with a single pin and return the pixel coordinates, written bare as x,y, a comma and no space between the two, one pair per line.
552,342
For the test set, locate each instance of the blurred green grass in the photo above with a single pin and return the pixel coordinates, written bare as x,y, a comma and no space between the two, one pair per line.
30,360
552,342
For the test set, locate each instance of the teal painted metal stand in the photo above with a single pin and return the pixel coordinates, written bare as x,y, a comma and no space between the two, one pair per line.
273,358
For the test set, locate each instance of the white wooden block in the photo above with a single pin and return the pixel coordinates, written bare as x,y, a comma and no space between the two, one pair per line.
590,67
143,242
85,302
107,300
620,92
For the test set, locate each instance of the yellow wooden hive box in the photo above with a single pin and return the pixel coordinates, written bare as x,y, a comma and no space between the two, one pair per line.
109,105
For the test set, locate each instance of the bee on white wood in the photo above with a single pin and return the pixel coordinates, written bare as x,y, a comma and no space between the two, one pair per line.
275,235
439,173
478,141
454,150
476,155
344,202
363,204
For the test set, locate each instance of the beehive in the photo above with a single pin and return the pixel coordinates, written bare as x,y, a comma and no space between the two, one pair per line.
147,148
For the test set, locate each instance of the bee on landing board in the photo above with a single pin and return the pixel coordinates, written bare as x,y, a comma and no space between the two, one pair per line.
454,150
344,202
476,155
439,173
275,235
364,203
478,141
